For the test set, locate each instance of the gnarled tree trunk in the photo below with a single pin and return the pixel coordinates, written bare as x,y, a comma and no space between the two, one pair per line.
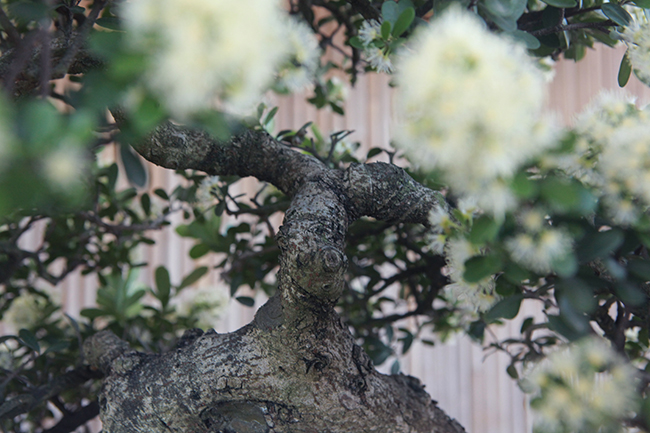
296,367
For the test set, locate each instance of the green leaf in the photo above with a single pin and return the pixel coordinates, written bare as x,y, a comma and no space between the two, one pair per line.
561,3
162,194
193,277
29,339
624,70
506,308
145,202
578,293
395,368
133,166
530,41
407,340
356,42
504,13
484,229
512,372
390,11
199,250
567,195
111,23
163,284
92,313
616,13
270,116
479,267
245,300
374,152
403,22
645,4
565,266
385,30
599,244
57,347
639,268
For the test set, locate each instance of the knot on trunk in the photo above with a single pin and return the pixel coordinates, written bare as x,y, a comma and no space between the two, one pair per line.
320,272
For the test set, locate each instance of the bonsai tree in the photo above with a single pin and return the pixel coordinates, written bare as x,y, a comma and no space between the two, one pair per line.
499,205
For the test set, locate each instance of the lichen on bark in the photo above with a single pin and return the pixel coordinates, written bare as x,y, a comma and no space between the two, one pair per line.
295,367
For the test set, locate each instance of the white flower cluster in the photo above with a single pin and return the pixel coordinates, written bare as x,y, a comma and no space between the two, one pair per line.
478,296
300,70
470,104
212,49
378,58
26,311
207,304
584,388
540,245
637,39
612,155
207,192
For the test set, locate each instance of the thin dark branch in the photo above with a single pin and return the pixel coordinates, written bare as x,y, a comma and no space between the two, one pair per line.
79,40
23,53
74,420
576,26
45,59
366,9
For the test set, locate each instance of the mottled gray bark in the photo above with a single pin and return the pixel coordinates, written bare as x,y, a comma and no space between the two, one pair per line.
296,367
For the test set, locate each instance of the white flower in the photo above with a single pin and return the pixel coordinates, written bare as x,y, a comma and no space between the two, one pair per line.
378,59
637,39
26,311
478,296
540,251
612,155
369,31
339,90
64,166
470,104
440,219
205,193
583,388
207,304
304,57
208,49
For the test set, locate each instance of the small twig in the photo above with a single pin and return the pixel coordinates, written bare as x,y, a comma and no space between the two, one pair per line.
65,62
366,9
569,27
45,59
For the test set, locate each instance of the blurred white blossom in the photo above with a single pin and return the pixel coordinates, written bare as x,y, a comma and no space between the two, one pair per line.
207,304
26,311
209,49
470,104
64,166
6,359
304,57
478,296
611,154
539,251
637,39
583,388
207,192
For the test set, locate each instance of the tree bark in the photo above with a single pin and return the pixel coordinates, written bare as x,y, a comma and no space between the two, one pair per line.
295,368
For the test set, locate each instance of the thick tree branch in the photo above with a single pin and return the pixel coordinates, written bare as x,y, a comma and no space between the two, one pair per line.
296,366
